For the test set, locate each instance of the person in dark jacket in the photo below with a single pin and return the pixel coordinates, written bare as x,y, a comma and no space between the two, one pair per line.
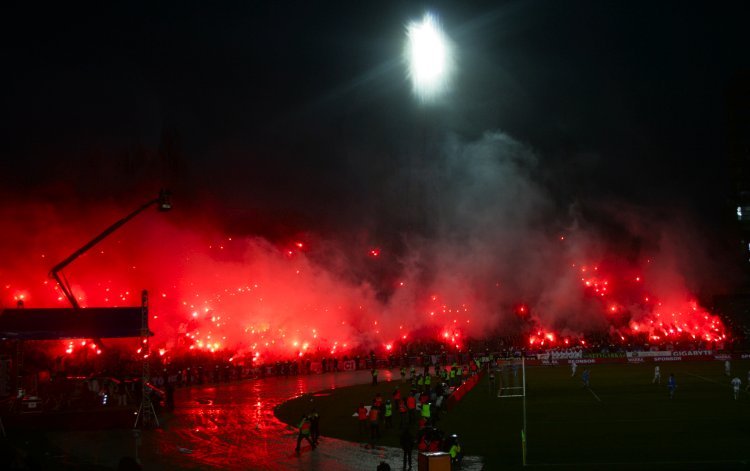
407,445
315,426
304,433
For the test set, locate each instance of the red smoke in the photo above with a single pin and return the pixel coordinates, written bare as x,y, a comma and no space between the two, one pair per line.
249,296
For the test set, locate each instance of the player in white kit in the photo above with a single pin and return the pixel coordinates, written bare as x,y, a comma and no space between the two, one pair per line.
736,383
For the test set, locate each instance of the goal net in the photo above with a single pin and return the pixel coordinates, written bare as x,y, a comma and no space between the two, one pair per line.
510,377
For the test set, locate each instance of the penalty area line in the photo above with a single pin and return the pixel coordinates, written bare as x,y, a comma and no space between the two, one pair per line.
716,382
595,396
704,379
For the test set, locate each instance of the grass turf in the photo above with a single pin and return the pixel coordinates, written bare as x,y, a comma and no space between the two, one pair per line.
623,422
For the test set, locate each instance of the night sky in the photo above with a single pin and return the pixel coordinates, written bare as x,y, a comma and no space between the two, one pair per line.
283,117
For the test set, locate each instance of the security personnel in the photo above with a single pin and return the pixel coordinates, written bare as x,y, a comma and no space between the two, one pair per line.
411,404
434,444
378,402
426,412
452,375
314,426
423,442
402,410
455,450
427,381
362,417
374,376
388,414
403,374
304,433
424,398
374,425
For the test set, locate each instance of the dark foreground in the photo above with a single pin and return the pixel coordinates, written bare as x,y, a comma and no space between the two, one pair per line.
227,426
622,422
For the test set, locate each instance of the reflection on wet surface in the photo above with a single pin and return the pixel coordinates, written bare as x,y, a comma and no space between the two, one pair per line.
232,427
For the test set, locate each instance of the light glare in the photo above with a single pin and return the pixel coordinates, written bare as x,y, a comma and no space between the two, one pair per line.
428,54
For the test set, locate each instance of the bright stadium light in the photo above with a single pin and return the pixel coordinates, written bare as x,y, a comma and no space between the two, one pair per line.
428,54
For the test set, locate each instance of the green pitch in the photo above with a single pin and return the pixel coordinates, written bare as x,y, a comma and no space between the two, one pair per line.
622,422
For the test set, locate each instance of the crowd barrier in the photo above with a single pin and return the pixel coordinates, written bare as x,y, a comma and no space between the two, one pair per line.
462,390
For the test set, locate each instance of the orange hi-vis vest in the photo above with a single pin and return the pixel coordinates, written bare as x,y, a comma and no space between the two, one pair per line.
411,403
304,427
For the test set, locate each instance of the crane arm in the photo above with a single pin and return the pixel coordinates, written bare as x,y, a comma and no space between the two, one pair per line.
164,205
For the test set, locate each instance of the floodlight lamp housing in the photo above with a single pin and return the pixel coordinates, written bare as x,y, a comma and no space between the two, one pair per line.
165,200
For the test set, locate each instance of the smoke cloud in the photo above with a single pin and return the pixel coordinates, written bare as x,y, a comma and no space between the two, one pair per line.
496,254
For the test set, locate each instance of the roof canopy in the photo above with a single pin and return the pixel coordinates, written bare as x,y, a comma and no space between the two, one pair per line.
67,323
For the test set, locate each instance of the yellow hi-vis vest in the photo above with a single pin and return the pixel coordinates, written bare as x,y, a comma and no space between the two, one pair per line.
426,410
455,449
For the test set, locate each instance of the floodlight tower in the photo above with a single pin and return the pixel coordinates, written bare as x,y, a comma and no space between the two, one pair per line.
429,56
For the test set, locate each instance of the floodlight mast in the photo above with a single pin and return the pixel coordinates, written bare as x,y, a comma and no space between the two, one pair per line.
164,204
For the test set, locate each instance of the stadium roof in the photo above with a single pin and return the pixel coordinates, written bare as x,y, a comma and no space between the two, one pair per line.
67,323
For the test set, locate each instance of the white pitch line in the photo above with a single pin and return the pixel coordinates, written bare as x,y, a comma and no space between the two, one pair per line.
592,392
705,379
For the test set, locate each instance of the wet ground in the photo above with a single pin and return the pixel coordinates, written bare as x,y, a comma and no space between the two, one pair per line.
233,427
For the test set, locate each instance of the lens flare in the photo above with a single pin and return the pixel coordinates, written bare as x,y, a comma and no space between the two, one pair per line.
428,54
